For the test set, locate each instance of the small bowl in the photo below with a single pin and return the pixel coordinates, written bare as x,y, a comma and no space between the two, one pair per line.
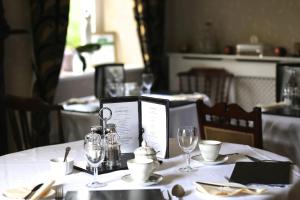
59,167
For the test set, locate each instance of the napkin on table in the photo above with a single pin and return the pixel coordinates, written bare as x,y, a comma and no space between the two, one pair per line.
226,190
21,192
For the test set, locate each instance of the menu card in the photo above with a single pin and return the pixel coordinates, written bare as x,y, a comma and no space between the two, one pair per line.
138,117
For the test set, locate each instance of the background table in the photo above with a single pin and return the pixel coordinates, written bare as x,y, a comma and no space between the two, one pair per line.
32,166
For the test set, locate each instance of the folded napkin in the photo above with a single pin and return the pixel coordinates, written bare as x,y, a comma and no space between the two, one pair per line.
271,106
226,190
21,192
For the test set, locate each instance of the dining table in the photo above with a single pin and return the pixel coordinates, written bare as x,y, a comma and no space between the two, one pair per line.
32,166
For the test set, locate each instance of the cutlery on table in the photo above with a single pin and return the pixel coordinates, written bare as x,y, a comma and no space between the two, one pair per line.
33,190
225,185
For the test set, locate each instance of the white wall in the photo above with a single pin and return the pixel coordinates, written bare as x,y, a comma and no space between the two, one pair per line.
274,22
119,18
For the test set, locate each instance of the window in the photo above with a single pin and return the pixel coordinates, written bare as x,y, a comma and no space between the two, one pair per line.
108,22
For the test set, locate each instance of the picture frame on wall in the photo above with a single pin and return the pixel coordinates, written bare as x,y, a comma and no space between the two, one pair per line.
107,51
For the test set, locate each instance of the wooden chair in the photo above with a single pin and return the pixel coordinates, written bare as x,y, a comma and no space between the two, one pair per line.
214,82
230,123
20,110
104,73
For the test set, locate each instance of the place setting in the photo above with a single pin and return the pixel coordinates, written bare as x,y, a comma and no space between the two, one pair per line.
209,150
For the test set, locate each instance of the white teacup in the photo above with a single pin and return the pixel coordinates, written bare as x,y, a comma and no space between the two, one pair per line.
61,168
210,149
141,169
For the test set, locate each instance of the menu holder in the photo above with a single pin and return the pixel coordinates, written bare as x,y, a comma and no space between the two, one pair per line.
103,169
145,194
261,173
138,117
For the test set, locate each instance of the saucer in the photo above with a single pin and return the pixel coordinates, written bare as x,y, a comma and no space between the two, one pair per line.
220,159
153,179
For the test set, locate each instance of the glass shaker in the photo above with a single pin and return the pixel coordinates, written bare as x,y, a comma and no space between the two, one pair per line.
113,146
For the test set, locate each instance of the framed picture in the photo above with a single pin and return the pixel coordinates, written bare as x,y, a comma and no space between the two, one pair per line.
107,51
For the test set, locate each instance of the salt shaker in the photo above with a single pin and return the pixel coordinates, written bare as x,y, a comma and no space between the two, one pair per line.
113,146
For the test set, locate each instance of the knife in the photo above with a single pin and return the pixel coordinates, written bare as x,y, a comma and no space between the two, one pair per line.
33,190
253,158
220,185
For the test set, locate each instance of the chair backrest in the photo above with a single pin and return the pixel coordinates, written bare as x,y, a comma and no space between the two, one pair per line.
230,123
214,82
20,111
105,73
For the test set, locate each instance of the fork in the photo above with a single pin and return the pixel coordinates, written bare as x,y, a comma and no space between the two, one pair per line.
59,192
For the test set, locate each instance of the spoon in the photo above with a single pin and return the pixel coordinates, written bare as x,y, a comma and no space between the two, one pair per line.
178,191
66,153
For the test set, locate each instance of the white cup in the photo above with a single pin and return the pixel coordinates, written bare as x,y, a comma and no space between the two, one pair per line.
210,149
141,169
61,168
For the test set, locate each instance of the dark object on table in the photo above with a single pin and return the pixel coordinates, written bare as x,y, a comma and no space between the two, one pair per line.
229,50
280,51
104,169
230,123
20,110
214,82
261,173
142,194
286,111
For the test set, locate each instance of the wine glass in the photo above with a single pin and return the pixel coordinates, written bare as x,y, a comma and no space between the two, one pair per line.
94,149
187,140
147,79
115,89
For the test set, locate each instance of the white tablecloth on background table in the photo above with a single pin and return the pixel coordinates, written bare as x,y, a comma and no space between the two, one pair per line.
32,166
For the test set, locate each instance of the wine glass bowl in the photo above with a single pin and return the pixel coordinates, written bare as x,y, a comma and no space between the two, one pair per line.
147,80
187,140
94,149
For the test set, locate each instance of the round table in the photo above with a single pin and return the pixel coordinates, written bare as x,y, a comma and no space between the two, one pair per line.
31,167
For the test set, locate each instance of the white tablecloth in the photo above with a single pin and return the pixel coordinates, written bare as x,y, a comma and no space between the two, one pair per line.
32,166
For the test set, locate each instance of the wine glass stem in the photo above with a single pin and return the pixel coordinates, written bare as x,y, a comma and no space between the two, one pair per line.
188,159
95,173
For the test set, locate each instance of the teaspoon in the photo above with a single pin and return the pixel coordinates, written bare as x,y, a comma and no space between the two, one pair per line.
66,153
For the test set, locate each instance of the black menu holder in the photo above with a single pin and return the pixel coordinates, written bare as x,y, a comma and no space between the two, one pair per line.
142,194
261,173
138,117
103,168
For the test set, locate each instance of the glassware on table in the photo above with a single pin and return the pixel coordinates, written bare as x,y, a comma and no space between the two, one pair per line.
147,80
290,91
187,139
115,89
94,149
